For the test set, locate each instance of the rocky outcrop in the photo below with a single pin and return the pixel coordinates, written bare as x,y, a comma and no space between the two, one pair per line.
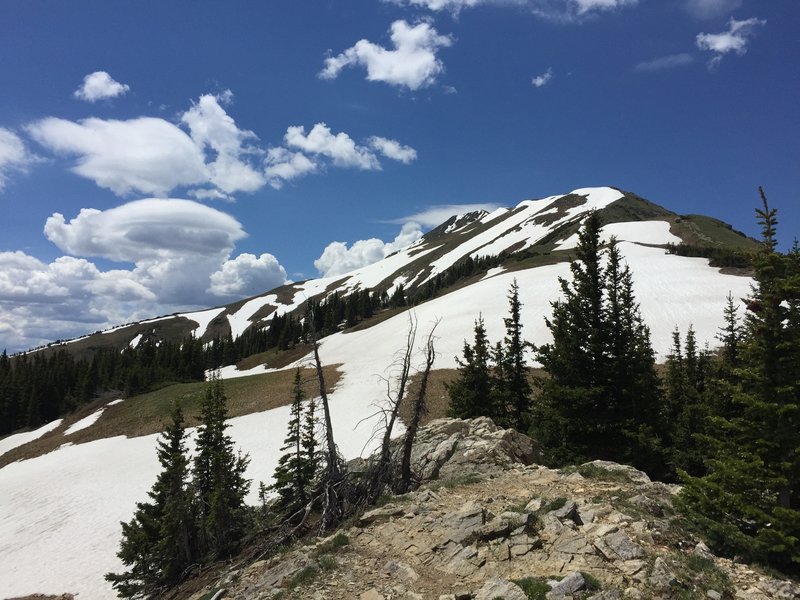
451,448
600,531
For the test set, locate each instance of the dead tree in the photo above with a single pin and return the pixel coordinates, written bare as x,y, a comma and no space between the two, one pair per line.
418,411
331,490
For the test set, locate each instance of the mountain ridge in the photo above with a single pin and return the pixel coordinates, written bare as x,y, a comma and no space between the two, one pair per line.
534,232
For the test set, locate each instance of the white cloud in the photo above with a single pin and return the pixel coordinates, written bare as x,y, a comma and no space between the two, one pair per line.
454,6
247,275
664,62
543,79
146,229
284,165
709,9
146,155
585,6
180,258
734,40
436,215
100,86
14,156
412,63
558,10
153,156
212,129
393,149
337,258
339,147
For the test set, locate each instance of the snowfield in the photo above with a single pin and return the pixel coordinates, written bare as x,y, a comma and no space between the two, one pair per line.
84,422
63,509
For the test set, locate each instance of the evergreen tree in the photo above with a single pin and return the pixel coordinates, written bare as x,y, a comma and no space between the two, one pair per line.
511,360
600,399
296,467
470,394
158,543
219,482
749,502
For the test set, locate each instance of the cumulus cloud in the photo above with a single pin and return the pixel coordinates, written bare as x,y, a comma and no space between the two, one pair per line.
664,62
178,256
436,215
247,275
153,156
100,86
146,155
310,152
709,9
40,302
214,131
284,165
340,147
734,40
393,149
543,79
14,156
412,63
338,258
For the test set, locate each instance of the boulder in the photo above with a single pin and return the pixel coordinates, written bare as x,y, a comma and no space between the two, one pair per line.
500,588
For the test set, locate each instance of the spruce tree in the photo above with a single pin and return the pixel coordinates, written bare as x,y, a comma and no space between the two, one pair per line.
749,502
296,467
470,394
514,368
218,479
158,543
600,399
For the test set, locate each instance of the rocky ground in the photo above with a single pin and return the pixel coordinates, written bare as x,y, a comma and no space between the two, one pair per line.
490,523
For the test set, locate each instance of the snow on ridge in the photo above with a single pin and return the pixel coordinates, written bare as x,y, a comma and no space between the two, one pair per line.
599,197
203,318
84,422
16,440
525,210
499,212
640,232
240,320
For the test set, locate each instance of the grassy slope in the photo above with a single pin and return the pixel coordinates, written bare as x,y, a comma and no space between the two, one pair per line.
148,413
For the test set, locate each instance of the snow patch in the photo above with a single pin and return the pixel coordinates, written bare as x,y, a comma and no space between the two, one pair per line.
135,341
492,272
203,318
15,440
240,320
115,402
640,232
84,422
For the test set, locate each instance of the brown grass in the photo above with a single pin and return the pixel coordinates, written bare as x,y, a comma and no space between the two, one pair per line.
148,413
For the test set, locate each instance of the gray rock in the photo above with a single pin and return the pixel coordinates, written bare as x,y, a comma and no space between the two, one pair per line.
400,570
607,595
280,571
618,546
500,588
713,595
371,594
463,525
452,448
661,577
568,511
567,586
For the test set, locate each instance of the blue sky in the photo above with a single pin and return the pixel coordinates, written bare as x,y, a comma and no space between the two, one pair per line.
163,156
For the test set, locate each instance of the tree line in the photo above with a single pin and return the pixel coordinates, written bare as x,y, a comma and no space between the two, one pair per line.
726,424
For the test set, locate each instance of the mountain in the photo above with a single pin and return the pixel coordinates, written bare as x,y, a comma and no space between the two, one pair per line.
62,508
